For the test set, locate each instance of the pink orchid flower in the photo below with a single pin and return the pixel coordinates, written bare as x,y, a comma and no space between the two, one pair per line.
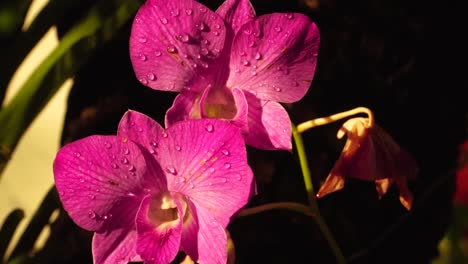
148,193
227,64
371,154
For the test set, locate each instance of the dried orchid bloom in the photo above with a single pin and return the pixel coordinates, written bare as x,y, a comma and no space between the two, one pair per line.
148,193
227,64
371,154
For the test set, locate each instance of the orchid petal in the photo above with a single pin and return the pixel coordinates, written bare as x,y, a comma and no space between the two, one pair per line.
236,13
141,129
117,246
158,242
269,125
209,166
174,41
203,238
99,177
184,107
275,56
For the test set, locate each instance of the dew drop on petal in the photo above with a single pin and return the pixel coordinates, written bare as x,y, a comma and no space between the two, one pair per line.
171,49
294,83
246,63
142,40
92,215
182,180
205,65
227,165
175,12
211,169
237,70
164,135
239,177
140,129
92,196
130,194
126,151
184,38
131,168
200,26
204,51
178,148
254,73
125,161
209,127
242,53
216,33
154,144
223,180
217,26
247,31
151,76
77,154
258,56
251,43
225,152
192,186
171,170
164,20
206,42
189,12
107,145
278,89
82,180
278,29
157,53
143,81
203,9
143,57
152,151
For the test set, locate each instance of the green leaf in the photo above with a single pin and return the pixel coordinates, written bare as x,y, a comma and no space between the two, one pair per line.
101,23
12,14
8,230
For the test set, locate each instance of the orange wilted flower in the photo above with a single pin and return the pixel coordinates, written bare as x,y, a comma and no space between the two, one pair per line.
371,154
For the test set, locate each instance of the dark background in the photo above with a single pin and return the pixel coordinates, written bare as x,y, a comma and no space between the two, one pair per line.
403,59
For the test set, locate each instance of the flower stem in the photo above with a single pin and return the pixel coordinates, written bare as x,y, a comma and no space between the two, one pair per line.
296,207
330,119
340,259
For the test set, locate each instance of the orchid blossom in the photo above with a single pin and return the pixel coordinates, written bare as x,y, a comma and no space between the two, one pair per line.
371,154
227,64
148,193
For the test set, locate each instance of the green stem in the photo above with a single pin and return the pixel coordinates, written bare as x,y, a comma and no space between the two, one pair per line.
296,207
340,259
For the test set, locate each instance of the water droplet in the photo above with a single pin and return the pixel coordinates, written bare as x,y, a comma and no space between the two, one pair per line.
171,49
164,20
211,169
178,148
157,53
223,180
227,165
77,154
294,83
151,76
131,168
184,38
209,127
154,144
164,135
115,166
143,57
107,216
189,12
290,16
142,40
278,29
126,151
217,26
206,42
278,89
216,33
92,215
131,174
225,152
204,51
205,65
246,63
237,70
175,12
130,194
192,186
92,196
143,81
125,161
140,129
239,177
171,170
203,9
182,180
82,180
242,53
107,145
200,26
251,43
254,73
258,56
247,31
152,151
